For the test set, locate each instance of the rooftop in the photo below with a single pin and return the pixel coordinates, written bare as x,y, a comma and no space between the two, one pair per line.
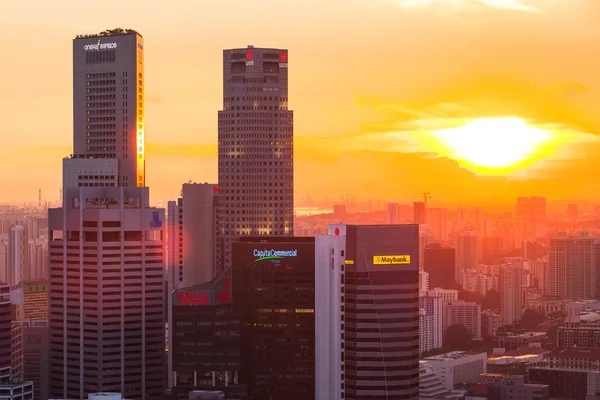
454,355
524,351
578,352
109,32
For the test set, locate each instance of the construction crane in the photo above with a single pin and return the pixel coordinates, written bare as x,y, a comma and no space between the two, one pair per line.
426,196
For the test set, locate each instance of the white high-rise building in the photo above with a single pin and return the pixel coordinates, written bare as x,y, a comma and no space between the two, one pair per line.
467,254
18,255
366,292
434,307
511,292
465,313
572,269
423,283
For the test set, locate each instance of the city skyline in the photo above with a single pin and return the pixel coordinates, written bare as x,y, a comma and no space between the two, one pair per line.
379,122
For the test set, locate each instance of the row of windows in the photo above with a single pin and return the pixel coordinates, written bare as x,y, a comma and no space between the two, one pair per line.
102,82
226,108
101,119
101,112
254,142
101,90
101,141
100,148
104,104
101,126
101,97
100,57
101,75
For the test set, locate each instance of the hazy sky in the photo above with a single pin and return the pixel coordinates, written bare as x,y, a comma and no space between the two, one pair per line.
369,81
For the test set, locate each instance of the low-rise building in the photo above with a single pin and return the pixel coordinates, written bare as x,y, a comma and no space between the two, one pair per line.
458,367
512,341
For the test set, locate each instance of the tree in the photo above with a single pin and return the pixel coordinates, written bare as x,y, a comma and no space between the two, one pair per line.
457,337
532,319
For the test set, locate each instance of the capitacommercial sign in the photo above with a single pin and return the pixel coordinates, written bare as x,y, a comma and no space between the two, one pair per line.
273,254
100,46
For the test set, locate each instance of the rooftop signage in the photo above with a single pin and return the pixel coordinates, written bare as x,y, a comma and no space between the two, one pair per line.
100,46
273,254
391,260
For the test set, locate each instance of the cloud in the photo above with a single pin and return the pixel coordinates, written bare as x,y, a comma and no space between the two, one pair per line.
516,5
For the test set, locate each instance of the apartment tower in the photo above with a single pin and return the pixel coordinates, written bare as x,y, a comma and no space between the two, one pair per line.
106,244
256,160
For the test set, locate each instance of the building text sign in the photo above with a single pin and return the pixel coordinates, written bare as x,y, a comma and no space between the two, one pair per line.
391,260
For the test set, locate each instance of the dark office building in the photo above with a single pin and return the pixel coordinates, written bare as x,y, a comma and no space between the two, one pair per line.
491,248
564,383
5,334
273,292
439,262
206,340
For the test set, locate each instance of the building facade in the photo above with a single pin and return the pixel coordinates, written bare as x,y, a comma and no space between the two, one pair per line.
572,269
440,263
274,295
256,149
511,292
367,312
107,293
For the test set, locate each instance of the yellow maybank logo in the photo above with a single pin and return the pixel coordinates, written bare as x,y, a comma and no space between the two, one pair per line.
379,260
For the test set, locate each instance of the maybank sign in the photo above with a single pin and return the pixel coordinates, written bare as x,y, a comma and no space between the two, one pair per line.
389,260
273,254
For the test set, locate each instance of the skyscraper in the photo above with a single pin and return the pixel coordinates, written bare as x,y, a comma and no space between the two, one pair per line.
367,312
440,262
571,267
18,255
106,244
467,255
511,292
108,105
256,160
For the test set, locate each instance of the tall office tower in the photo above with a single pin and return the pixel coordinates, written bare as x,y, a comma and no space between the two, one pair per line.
438,222
256,146
467,254
106,244
572,269
440,263
367,312
511,292
5,334
175,244
274,295
398,214
423,283
420,212
108,124
18,255
36,357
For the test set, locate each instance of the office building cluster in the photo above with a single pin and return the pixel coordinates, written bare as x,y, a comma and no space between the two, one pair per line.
224,294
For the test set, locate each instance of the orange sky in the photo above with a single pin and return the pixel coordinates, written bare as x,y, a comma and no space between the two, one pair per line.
368,80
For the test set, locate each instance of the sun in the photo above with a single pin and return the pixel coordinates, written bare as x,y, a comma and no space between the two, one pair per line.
493,143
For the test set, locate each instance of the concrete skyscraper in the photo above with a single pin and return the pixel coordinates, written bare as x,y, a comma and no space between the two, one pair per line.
256,149
18,255
367,312
511,292
106,244
571,267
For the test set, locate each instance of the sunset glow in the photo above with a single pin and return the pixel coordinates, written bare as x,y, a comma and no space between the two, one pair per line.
493,142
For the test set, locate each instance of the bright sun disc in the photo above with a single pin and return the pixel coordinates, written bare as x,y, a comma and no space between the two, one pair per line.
493,142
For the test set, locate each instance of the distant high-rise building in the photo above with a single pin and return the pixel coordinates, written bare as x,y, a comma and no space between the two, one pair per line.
106,244
434,307
274,295
425,239
572,269
538,209
491,248
420,212
18,255
467,254
439,262
367,293
5,334
256,149
398,214
465,313
438,222
511,292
